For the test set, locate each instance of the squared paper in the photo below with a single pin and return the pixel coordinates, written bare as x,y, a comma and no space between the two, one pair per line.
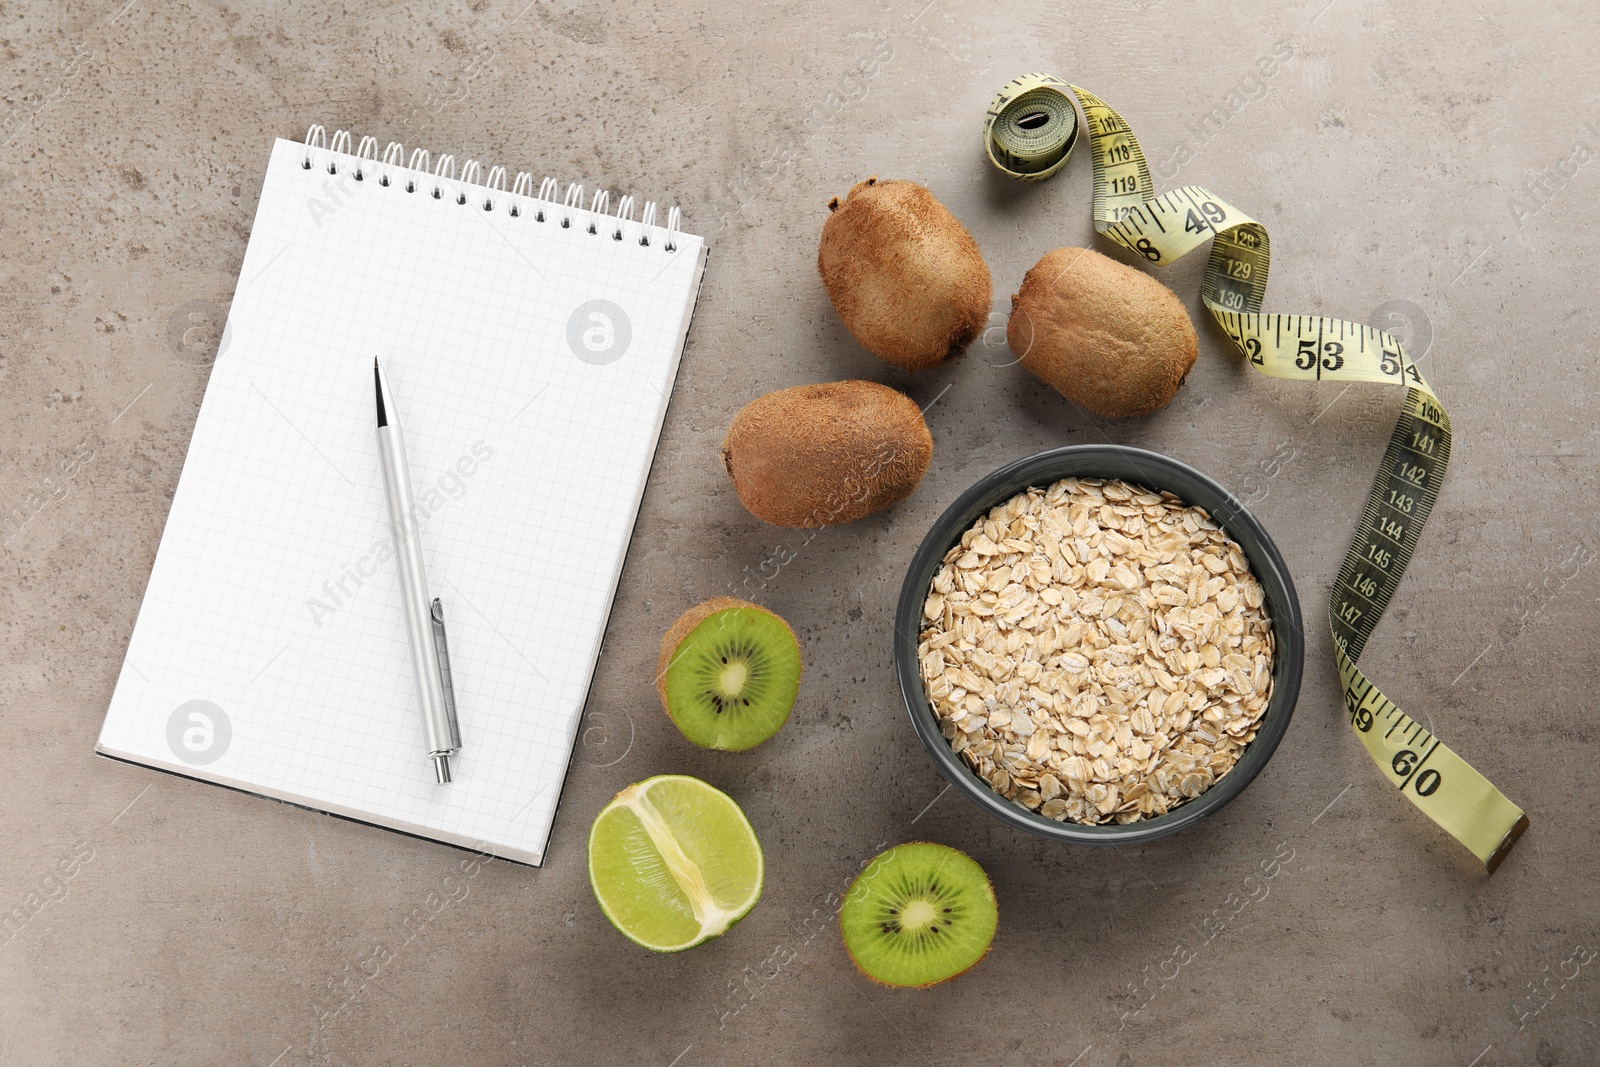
531,365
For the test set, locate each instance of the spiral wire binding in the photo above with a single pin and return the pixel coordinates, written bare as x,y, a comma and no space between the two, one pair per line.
547,191
573,199
674,220
439,173
494,183
624,215
316,137
469,176
422,169
420,161
392,157
367,151
340,143
522,188
646,221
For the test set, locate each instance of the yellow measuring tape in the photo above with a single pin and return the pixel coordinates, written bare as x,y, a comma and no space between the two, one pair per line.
1030,139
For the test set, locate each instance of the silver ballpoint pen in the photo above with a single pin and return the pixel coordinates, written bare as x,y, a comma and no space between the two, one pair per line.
430,656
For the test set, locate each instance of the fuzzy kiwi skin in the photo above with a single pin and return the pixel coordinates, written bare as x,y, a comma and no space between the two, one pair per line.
685,625
818,455
1108,337
904,275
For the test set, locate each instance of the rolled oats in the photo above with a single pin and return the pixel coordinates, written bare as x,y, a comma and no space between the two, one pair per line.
1097,652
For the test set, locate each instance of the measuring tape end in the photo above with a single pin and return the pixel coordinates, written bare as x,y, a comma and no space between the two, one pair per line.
1504,849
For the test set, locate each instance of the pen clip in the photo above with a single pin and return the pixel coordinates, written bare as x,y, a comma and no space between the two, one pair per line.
442,650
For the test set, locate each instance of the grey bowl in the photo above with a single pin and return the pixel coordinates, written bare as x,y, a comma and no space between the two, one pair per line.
1153,471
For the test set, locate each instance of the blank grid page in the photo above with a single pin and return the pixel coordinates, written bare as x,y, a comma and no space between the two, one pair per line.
531,365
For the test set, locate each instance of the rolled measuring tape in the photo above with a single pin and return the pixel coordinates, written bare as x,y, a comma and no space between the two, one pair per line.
1165,228
1031,128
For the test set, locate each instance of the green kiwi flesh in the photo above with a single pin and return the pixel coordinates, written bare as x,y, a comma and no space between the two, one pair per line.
919,914
732,679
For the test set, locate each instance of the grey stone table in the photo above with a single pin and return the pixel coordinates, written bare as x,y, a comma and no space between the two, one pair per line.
1426,166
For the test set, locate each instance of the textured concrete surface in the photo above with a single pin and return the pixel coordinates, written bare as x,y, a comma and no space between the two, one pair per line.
1438,155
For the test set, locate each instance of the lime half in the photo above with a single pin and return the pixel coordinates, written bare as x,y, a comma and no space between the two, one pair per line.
673,862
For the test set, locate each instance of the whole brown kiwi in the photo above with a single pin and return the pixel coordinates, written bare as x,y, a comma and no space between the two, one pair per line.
904,275
817,455
1108,337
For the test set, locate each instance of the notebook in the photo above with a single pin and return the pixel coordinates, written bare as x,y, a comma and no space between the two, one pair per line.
530,339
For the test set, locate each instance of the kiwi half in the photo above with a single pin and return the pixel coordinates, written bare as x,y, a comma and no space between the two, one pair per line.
919,914
728,673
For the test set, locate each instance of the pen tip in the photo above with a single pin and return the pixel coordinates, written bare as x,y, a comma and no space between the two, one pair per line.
377,381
